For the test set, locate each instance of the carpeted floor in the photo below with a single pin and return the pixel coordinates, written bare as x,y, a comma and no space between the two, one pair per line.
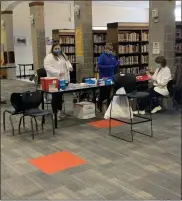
108,168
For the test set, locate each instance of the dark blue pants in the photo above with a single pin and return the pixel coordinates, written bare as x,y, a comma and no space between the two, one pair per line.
144,103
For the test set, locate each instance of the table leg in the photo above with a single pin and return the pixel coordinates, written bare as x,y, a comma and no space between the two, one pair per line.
42,95
94,99
55,120
54,104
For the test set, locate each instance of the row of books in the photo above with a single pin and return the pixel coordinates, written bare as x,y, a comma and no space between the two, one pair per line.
128,49
67,40
99,38
134,70
68,49
123,36
144,59
129,60
144,48
98,48
71,58
145,36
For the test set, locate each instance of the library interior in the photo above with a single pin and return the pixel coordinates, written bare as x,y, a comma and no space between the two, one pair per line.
91,95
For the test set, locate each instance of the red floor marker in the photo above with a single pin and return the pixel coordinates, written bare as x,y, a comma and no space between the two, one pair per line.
105,123
56,162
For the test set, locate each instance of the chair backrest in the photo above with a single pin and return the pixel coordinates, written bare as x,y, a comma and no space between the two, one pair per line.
170,87
16,102
41,72
128,81
31,100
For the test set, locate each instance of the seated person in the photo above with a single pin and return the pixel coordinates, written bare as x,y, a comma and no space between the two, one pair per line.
160,80
107,65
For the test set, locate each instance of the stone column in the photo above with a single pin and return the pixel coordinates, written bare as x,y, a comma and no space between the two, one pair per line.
84,40
38,33
162,31
7,42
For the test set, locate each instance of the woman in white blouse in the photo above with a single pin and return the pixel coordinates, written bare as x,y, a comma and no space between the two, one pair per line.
160,79
57,65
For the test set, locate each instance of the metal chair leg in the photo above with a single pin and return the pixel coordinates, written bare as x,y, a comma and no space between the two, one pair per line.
110,119
24,121
12,126
63,102
19,126
53,128
31,122
36,124
4,120
151,123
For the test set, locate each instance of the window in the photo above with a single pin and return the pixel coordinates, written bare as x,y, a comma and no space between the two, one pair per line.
178,13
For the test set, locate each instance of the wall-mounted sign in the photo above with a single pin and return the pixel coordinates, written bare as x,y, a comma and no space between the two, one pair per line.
156,48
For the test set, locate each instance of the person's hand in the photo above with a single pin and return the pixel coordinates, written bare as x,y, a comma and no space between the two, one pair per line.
149,75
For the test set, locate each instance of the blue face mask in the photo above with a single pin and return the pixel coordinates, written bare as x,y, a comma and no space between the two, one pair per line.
57,52
158,65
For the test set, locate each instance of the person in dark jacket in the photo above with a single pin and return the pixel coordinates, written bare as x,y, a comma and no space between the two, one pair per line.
107,65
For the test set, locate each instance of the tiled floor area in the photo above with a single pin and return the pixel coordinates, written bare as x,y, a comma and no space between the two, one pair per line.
148,168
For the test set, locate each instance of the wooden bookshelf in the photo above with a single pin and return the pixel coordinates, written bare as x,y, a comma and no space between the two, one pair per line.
99,42
130,41
178,47
66,38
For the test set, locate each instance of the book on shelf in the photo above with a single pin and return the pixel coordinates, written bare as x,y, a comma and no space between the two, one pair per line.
144,48
98,49
145,36
128,37
99,38
123,49
67,40
134,70
128,60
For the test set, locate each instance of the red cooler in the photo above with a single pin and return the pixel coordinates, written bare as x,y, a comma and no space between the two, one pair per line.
47,81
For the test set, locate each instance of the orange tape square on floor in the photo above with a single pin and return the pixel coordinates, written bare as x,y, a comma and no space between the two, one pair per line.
105,123
56,162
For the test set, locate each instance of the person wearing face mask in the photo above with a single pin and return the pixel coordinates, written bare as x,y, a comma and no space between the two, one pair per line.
159,80
57,65
107,62
107,65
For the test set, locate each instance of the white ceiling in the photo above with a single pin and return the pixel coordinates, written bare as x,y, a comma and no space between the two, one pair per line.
137,4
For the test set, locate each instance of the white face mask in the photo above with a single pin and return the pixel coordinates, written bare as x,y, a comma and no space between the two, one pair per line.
158,65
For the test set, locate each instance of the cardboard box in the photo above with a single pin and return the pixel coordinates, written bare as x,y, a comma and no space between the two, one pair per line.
84,110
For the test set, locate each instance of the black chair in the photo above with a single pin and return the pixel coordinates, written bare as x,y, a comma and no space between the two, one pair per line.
128,82
17,108
31,102
175,93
